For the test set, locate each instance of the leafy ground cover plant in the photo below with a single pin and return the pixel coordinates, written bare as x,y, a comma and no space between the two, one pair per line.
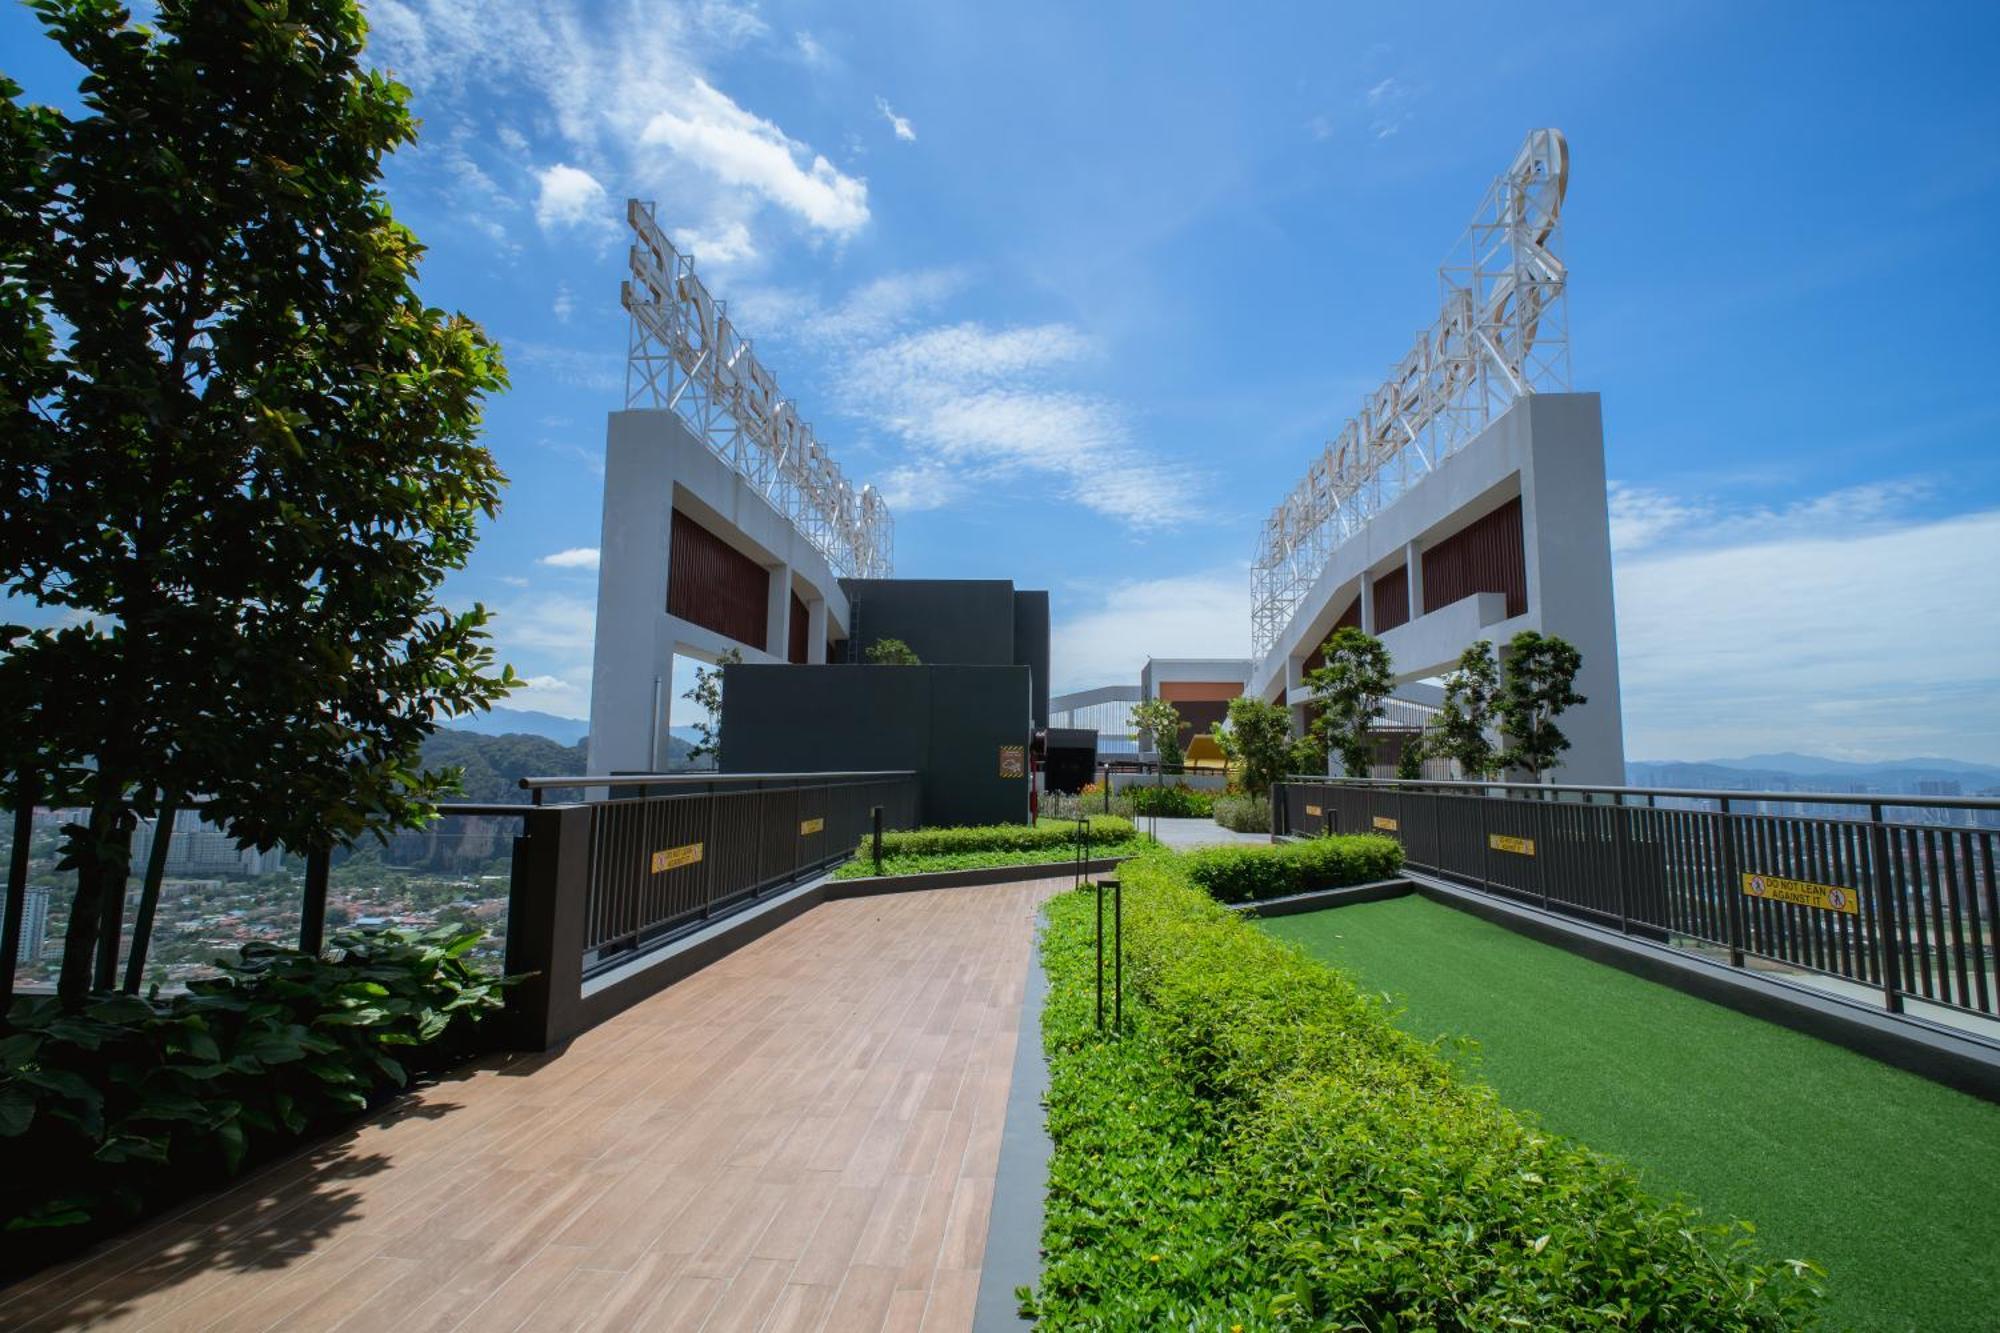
1241,874
110,1111
1178,801
864,866
1263,1149
1245,814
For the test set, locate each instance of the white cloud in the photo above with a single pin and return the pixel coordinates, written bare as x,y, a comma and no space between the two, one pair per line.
570,197
742,149
1388,106
548,693
1193,615
565,304
621,92
810,49
599,371
1644,517
576,557
1831,627
900,124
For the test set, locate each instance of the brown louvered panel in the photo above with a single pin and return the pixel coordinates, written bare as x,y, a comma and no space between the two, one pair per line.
1392,600
714,585
798,639
1483,556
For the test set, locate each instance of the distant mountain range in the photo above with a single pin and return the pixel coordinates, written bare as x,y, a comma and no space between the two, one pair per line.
1804,772
523,722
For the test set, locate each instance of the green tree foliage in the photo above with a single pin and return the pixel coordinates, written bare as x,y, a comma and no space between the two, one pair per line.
892,652
1161,721
1258,736
1350,688
239,453
706,695
1541,683
1410,763
1467,716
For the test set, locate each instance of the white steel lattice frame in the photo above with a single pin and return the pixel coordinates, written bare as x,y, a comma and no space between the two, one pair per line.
685,354
1502,334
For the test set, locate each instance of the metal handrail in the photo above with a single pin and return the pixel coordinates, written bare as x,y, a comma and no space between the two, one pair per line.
656,779
1897,799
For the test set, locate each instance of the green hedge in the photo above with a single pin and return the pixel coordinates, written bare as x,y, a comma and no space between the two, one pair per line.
1244,874
108,1112
863,866
1245,814
1178,801
1047,835
1265,1149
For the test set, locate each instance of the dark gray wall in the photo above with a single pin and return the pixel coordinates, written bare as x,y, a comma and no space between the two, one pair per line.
948,621
1031,646
946,722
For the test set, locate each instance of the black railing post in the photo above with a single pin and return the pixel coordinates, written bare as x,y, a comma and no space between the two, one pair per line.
1100,955
1118,955
875,818
1619,836
312,913
1732,885
1888,933
1485,844
546,901
17,893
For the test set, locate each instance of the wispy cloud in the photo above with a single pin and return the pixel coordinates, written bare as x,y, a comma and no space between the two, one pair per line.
1388,104
973,404
1119,625
576,557
623,95
598,371
1839,622
900,124
810,49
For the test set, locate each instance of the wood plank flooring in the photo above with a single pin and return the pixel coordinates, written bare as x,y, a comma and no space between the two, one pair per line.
802,1136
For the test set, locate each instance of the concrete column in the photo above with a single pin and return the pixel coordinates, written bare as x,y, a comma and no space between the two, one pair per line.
778,615
816,632
1295,692
1367,602
1413,568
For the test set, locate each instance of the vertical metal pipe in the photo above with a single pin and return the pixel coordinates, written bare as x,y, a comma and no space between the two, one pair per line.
875,817
1887,934
1732,884
312,915
17,891
1619,837
1118,955
1100,955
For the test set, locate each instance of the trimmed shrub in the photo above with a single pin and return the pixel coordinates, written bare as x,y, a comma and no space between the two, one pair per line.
1179,801
1245,874
1265,1149
863,866
1245,814
130,1102
1050,835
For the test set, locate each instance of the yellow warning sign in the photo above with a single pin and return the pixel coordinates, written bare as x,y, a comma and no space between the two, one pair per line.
809,826
1013,761
1803,892
1314,810
675,857
1386,824
1500,842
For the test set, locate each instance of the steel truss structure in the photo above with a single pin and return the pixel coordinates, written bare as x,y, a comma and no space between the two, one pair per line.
686,355
1502,334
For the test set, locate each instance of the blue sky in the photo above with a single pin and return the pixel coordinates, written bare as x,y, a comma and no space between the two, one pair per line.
1083,287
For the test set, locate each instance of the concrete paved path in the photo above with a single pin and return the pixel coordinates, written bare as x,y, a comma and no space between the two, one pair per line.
1181,834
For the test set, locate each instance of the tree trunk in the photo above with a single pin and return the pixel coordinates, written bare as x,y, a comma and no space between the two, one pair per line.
102,857
149,897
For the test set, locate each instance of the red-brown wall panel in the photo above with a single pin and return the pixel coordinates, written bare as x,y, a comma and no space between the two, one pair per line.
1484,556
1392,600
715,585
800,622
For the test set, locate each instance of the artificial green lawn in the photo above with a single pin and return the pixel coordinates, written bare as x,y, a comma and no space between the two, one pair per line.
1890,1181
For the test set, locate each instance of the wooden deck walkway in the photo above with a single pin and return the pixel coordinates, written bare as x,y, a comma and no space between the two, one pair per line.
803,1136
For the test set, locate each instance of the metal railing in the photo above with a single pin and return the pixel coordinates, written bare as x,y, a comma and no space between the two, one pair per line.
1891,892
668,852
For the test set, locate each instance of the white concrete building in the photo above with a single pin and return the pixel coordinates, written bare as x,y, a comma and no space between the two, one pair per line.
1510,532
695,561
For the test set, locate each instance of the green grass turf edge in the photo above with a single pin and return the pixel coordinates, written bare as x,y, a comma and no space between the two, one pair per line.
1889,1180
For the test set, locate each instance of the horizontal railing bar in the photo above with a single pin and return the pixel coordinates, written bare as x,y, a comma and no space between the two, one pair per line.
1896,800
696,779
489,809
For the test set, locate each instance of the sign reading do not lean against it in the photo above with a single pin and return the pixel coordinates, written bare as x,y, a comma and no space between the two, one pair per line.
1500,842
673,858
1803,893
